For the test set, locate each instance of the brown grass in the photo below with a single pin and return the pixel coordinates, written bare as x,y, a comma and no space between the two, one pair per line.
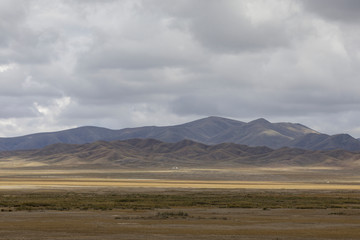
200,224
252,203
8,183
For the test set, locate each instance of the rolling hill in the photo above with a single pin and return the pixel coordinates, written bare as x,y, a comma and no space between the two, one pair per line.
326,142
151,153
211,131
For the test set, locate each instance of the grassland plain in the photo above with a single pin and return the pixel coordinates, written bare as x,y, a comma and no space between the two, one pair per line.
259,203
179,214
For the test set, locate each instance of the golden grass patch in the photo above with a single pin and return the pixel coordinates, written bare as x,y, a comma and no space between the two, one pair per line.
7,183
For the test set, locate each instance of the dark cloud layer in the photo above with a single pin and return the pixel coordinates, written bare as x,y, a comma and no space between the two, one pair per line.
345,10
131,63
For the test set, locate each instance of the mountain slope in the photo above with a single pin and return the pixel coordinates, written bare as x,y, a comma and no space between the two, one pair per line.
261,132
203,130
74,136
326,142
145,153
211,130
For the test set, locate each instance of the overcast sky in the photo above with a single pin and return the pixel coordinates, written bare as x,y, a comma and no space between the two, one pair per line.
120,64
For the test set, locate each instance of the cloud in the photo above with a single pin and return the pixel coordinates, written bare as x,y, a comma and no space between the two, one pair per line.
346,10
131,63
230,27
20,43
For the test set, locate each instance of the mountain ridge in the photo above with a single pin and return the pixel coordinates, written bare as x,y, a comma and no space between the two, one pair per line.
152,153
211,130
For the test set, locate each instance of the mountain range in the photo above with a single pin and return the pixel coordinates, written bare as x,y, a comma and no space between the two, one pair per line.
151,153
209,131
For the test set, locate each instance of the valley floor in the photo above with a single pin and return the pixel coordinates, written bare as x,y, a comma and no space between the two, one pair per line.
244,203
286,178
199,223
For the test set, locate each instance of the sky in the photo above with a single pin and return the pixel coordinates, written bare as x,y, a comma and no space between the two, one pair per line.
119,63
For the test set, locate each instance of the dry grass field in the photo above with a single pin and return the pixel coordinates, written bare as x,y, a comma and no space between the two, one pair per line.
244,203
198,223
296,178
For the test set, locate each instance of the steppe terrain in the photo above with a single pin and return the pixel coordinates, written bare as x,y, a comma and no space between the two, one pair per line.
149,189
176,203
275,178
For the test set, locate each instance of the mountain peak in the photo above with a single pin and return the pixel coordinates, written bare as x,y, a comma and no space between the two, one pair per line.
214,119
260,121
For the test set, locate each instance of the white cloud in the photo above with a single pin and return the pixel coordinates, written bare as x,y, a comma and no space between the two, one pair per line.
52,111
6,67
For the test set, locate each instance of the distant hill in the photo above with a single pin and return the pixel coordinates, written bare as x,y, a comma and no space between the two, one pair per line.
326,142
148,153
211,130
73,136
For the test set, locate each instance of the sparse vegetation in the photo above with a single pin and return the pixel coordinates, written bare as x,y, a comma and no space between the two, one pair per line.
202,203
64,201
178,214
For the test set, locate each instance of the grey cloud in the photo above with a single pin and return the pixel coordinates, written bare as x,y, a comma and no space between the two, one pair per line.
12,14
225,26
132,58
131,63
18,42
224,29
112,86
13,107
17,82
86,2
22,106
145,42
195,105
272,102
344,10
